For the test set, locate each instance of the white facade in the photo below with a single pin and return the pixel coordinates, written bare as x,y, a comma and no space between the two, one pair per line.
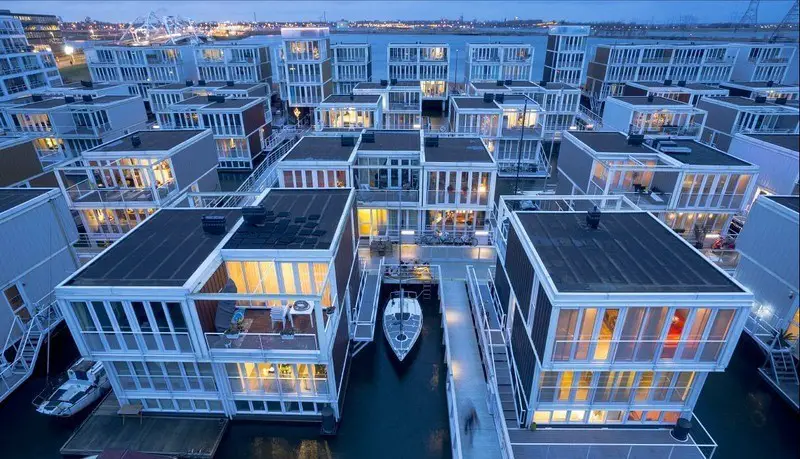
349,112
23,70
566,54
233,61
306,68
352,64
490,62
653,117
401,103
777,158
425,63
764,62
728,116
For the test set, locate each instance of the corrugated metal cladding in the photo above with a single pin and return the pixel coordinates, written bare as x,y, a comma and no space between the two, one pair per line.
340,343
501,286
344,260
520,271
541,321
524,358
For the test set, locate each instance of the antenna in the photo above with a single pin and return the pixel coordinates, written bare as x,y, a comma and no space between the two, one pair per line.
791,19
750,16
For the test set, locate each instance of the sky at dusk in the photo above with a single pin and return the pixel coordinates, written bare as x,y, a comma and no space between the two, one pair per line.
298,10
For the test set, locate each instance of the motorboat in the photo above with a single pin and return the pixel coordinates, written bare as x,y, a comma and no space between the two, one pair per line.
402,322
83,383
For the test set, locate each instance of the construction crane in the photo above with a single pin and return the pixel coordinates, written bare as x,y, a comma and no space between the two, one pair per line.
154,28
791,19
750,16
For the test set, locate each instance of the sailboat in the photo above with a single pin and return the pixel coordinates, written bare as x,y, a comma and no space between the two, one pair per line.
402,322
402,316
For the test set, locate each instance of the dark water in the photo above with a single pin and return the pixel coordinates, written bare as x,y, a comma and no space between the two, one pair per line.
396,411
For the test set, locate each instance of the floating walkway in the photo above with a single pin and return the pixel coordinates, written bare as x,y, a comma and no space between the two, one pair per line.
172,436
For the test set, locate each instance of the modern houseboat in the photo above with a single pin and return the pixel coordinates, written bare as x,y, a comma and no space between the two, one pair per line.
689,93
728,116
23,162
653,117
400,102
306,72
768,89
777,158
22,68
566,54
352,64
763,61
242,312
490,62
234,61
424,64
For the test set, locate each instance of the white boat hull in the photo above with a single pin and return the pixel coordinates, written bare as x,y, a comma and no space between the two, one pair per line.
402,324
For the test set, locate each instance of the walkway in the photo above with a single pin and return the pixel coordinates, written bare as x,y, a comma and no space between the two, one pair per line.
470,384
367,307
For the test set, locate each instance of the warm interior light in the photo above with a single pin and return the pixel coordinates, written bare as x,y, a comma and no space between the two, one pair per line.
481,233
407,232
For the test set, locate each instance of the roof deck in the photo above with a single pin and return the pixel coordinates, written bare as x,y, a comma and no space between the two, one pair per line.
475,103
13,197
391,141
458,150
320,148
610,142
296,219
352,99
630,252
787,141
790,202
747,104
164,251
161,140
652,101
699,154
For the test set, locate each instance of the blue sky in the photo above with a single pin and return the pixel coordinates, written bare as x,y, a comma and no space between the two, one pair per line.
624,10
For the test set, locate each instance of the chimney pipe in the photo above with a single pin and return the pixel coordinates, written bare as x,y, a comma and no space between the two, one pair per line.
593,218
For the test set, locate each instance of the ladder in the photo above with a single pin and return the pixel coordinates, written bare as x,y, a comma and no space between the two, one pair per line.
17,371
780,366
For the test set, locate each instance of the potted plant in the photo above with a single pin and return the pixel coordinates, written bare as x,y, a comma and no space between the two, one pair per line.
287,333
782,339
533,426
329,310
234,330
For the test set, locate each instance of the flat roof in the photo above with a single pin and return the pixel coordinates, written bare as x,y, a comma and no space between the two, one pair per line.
194,100
558,85
12,197
790,202
241,86
391,141
44,104
321,148
163,251
296,219
103,100
352,99
528,84
475,103
703,87
173,86
788,141
759,85
703,155
153,140
406,83
742,101
630,252
458,149
645,100
232,102
609,142
368,85
488,86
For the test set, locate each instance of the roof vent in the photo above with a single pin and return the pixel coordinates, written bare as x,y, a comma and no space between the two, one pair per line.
500,98
254,215
393,81
509,82
671,147
543,83
650,97
667,82
384,82
229,83
201,82
500,83
352,97
781,101
635,139
214,224
87,98
348,141
488,97
682,83
189,83
432,141
593,218
761,99
368,137
69,99
86,84
219,98
770,83
37,97
136,141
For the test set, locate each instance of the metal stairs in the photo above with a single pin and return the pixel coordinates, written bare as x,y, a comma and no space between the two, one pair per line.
504,389
781,367
17,371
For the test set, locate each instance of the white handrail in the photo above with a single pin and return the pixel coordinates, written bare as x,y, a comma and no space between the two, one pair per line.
452,405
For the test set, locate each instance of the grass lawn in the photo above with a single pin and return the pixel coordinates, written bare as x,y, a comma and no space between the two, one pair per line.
75,73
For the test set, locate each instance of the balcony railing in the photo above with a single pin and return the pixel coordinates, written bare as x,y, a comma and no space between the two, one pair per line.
775,60
464,198
645,199
608,352
227,130
401,106
372,196
310,387
264,343
87,193
725,201
689,130
726,259
138,342
615,394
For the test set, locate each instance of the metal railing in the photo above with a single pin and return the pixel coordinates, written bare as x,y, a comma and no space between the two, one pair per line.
646,200
371,196
309,387
615,394
726,259
692,129
466,198
452,402
486,345
718,201
138,342
265,343
87,192
612,351
362,286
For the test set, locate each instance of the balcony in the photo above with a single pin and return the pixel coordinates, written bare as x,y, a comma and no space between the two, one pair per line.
282,384
655,60
775,60
531,132
88,194
730,201
670,352
99,342
458,198
392,196
262,335
227,130
644,198
83,131
687,130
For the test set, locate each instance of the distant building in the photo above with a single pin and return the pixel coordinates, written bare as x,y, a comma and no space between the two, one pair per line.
43,32
22,68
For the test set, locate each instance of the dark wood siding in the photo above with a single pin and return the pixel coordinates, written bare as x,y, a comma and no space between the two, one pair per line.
344,260
253,118
339,355
18,163
541,321
524,358
501,286
520,271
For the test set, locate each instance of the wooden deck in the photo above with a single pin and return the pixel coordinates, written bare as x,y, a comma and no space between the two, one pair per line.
365,322
178,436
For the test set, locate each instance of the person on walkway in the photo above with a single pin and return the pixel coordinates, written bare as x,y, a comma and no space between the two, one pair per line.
470,422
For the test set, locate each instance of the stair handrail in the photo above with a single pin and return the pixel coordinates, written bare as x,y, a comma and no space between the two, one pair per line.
26,338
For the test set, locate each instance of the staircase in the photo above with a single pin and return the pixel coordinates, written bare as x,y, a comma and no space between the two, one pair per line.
17,371
504,389
780,366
